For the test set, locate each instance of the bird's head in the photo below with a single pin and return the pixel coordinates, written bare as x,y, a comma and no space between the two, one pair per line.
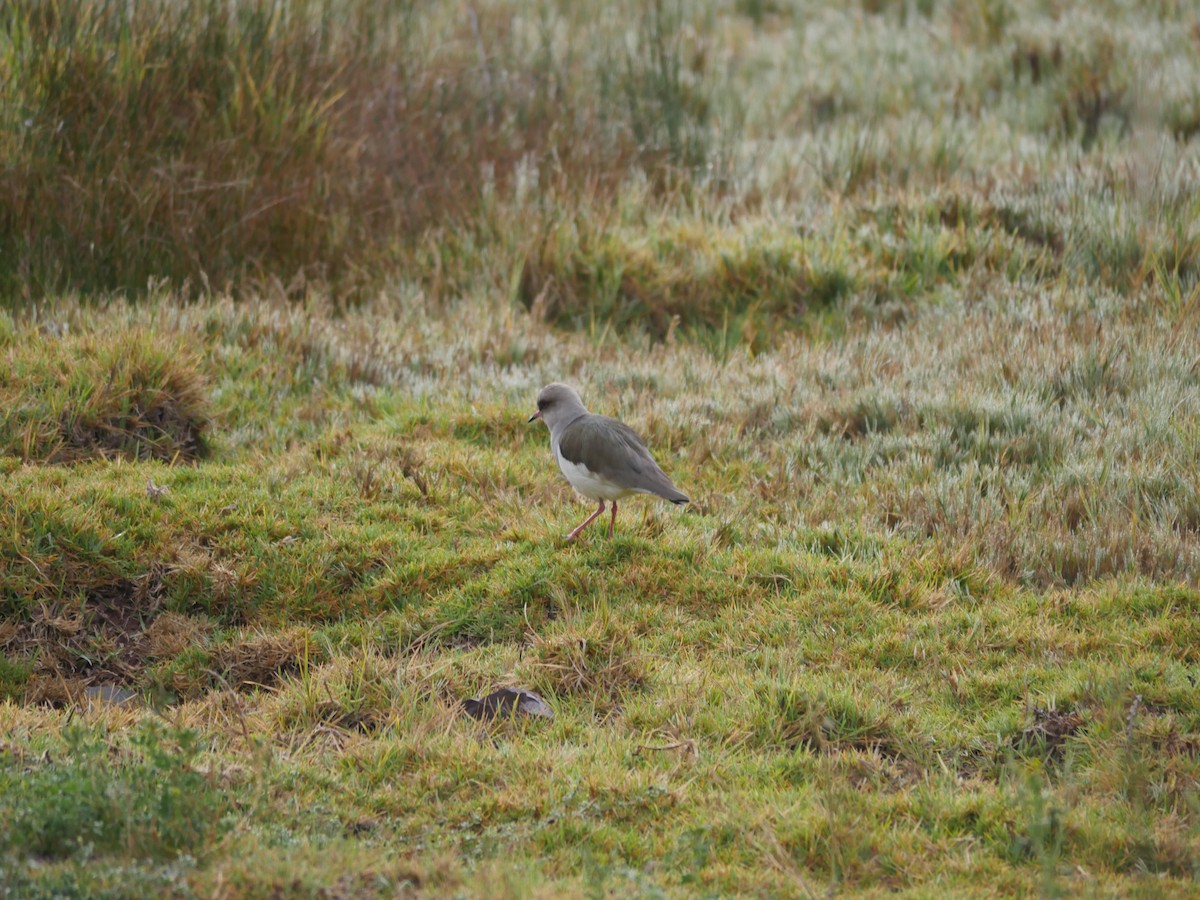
557,403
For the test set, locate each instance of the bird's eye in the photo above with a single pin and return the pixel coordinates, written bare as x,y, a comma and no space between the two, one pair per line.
541,404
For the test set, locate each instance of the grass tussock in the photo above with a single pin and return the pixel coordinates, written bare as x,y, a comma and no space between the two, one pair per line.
833,723
69,398
596,664
170,634
260,660
347,695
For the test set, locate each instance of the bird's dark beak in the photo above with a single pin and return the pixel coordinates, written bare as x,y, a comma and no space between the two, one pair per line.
536,415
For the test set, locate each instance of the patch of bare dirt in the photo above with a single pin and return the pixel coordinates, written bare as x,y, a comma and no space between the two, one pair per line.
1049,731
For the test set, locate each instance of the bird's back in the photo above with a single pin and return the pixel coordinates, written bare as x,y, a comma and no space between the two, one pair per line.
612,452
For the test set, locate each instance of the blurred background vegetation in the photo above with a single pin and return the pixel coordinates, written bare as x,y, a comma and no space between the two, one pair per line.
721,165
212,142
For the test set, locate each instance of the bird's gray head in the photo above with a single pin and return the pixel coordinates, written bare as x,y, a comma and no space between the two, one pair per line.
558,406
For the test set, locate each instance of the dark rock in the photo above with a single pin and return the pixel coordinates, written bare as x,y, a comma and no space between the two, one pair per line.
508,702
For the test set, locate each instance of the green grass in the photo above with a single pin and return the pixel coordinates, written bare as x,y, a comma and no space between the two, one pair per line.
154,804
880,650
137,397
904,297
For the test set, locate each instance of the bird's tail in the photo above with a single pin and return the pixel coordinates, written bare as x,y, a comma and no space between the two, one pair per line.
657,483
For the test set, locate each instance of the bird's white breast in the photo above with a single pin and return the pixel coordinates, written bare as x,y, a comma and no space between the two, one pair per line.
588,482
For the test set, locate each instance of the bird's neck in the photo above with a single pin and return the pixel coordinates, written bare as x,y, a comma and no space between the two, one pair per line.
563,424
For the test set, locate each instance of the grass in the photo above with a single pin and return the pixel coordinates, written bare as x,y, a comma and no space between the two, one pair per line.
850,657
137,397
152,805
275,144
904,297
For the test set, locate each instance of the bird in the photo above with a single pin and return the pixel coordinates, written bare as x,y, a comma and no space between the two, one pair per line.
602,458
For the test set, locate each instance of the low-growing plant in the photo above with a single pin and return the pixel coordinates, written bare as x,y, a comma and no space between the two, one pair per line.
150,801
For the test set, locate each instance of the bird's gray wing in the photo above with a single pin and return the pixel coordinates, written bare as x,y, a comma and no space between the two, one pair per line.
614,451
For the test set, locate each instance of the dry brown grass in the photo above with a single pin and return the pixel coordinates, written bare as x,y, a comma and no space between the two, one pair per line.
277,146
597,662
261,659
170,634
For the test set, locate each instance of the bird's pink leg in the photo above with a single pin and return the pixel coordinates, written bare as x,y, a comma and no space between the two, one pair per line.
613,522
586,522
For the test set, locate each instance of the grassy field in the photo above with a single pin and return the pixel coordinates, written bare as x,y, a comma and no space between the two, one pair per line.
905,296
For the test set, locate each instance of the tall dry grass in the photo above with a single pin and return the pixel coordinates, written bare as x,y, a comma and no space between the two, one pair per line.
285,141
